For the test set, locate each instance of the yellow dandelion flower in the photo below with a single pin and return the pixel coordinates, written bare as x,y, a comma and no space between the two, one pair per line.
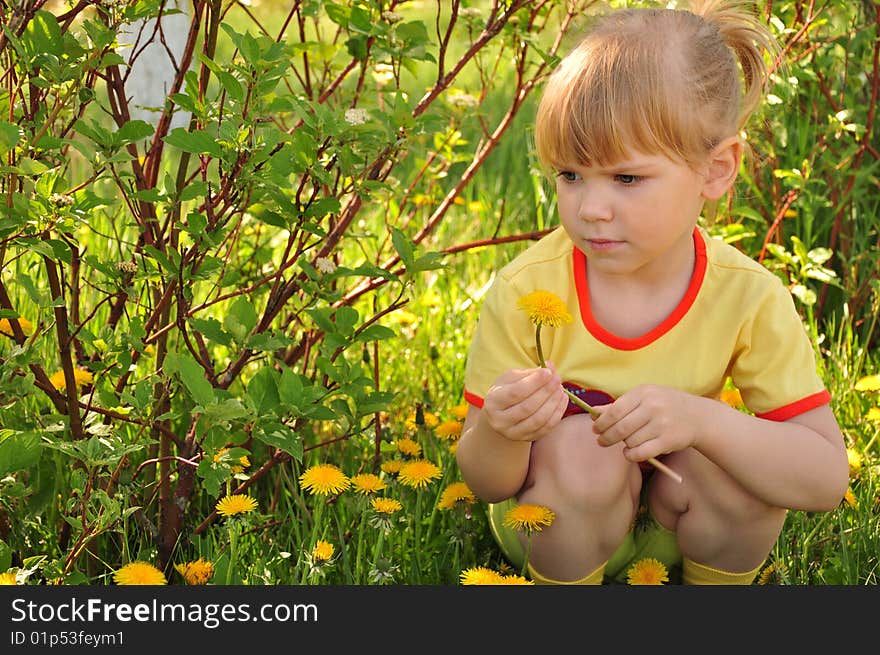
453,447
236,504
403,317
81,376
528,517
732,397
197,572
855,461
449,430
409,447
324,479
514,579
418,473
544,308
873,414
367,483
850,498
323,551
460,411
480,575
455,493
8,578
647,571
6,328
773,570
392,466
139,573
868,383
386,505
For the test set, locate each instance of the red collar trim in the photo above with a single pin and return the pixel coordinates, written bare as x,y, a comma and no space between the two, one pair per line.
579,262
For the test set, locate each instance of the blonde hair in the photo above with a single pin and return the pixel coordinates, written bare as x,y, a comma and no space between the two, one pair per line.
660,81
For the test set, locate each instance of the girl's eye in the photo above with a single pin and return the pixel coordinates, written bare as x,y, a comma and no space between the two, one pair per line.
627,179
569,176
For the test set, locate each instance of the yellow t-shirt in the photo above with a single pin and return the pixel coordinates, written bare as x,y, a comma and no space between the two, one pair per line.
736,319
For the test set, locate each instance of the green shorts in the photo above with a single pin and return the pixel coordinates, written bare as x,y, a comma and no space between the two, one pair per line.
647,539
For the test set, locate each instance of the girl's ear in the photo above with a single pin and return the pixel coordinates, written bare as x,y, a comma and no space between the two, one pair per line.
722,168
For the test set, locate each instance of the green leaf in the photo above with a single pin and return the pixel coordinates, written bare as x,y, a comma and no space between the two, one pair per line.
290,388
195,190
162,258
359,21
240,319
192,375
262,392
321,317
346,319
267,342
279,435
427,262
403,246
95,132
43,35
28,166
60,250
376,333
19,451
781,253
211,328
197,142
805,295
133,131
338,13
5,556
10,135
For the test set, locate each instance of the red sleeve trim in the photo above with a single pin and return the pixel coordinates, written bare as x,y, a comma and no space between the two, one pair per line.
798,407
473,399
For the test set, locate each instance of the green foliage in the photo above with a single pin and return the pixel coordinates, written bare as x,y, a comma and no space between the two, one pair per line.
193,293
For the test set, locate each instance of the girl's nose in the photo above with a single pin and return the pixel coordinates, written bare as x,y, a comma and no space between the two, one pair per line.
594,205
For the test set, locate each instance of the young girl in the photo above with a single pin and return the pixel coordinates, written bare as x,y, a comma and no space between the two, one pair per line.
641,126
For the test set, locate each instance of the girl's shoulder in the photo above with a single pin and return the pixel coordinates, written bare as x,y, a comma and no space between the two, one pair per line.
727,260
732,274
552,251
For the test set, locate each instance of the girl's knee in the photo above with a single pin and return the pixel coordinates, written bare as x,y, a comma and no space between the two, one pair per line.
582,472
710,491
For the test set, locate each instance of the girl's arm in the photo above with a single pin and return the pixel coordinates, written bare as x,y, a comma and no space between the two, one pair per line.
521,406
800,463
493,466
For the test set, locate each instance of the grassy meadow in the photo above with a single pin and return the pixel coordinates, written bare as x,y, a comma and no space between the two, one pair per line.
233,352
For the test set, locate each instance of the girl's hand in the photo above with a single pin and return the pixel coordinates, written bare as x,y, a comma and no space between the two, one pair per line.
525,404
651,420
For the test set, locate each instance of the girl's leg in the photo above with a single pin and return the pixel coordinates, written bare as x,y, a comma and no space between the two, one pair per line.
593,491
719,525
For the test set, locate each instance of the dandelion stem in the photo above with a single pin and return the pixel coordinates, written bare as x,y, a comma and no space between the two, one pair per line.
233,550
525,566
417,545
360,547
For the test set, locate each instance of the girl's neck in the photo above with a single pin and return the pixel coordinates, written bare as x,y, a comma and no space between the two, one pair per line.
633,304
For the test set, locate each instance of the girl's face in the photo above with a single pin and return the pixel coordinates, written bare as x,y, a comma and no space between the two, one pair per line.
634,218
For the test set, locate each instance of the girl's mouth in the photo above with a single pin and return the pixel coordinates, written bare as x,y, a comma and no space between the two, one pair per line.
603,244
